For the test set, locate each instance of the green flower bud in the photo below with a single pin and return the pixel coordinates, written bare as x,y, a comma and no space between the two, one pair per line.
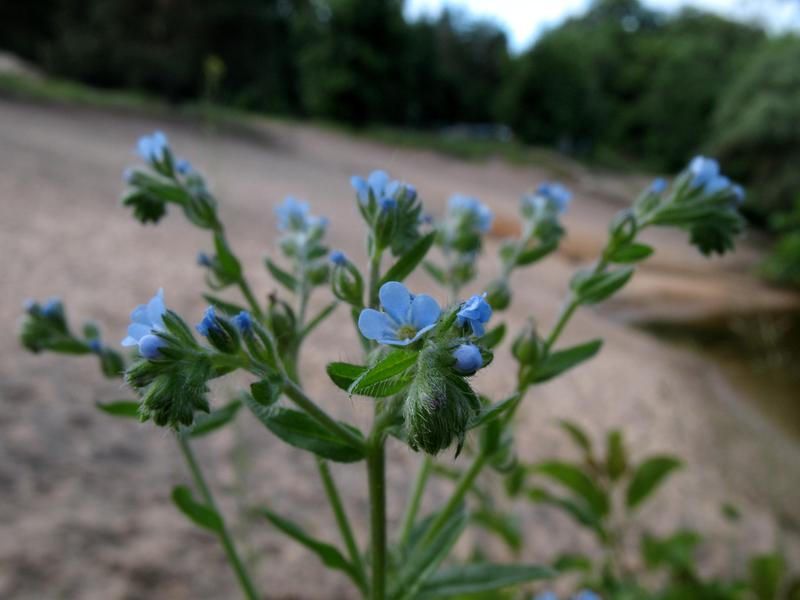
498,294
281,320
346,282
528,348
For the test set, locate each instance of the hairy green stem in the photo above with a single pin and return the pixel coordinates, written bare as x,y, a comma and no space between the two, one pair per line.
342,521
374,277
250,297
376,475
227,542
415,498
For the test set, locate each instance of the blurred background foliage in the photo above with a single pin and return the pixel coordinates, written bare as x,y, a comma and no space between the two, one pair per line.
621,84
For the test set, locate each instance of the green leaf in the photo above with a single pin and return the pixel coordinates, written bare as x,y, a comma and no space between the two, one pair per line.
491,412
616,457
505,526
494,336
406,264
648,476
285,279
327,553
675,551
539,252
204,424
558,362
577,435
577,509
480,577
267,391
298,429
201,514
435,272
227,261
120,408
321,316
631,253
597,288
576,480
387,377
766,573
572,562
344,374
228,308
423,556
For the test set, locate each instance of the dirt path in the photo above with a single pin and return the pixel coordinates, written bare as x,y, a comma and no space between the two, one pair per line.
84,508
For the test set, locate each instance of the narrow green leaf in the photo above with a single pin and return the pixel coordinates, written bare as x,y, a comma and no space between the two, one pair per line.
406,264
267,391
631,253
534,254
505,526
766,573
321,316
301,431
285,279
491,412
200,514
344,374
616,457
229,308
384,379
572,562
597,288
120,408
480,577
577,509
229,263
563,360
327,553
577,435
648,476
220,417
423,558
493,337
576,480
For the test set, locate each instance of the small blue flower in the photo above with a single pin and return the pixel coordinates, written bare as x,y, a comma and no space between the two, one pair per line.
51,307
183,166
586,595
558,195
29,305
405,319
292,214
482,214
546,595
127,175
703,170
209,323
468,359
152,147
203,259
147,319
386,204
738,192
475,311
95,346
381,186
658,186
244,322
338,258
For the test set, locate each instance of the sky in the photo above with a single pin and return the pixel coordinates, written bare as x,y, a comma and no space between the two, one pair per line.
525,19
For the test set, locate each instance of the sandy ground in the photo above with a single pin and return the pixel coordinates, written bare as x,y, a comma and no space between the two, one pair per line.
84,498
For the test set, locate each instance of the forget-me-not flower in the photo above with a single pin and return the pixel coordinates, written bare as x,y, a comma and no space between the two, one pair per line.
152,147
338,258
586,595
292,214
51,307
244,322
381,186
658,186
546,595
468,359
475,311
183,166
147,320
209,322
557,194
405,317
706,175
481,215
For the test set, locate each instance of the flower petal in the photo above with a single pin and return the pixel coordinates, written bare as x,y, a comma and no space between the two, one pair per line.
420,333
375,325
137,331
396,301
425,311
377,181
156,308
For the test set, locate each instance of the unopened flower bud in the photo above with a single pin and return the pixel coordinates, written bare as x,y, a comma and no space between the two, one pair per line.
528,347
498,294
468,359
220,333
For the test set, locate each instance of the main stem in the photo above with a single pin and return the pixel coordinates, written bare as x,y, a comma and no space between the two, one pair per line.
227,542
376,476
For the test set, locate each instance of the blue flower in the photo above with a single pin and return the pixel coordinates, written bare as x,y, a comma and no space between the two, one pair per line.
147,320
292,214
203,259
209,323
386,204
381,186
703,170
475,311
480,213
658,186
738,192
183,166
468,359
95,345
586,595
51,307
244,322
152,147
405,319
546,595
558,195
338,258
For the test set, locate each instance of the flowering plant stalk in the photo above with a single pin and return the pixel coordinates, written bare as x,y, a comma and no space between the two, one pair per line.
418,354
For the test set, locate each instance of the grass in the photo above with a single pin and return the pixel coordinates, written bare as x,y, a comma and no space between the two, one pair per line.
59,91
